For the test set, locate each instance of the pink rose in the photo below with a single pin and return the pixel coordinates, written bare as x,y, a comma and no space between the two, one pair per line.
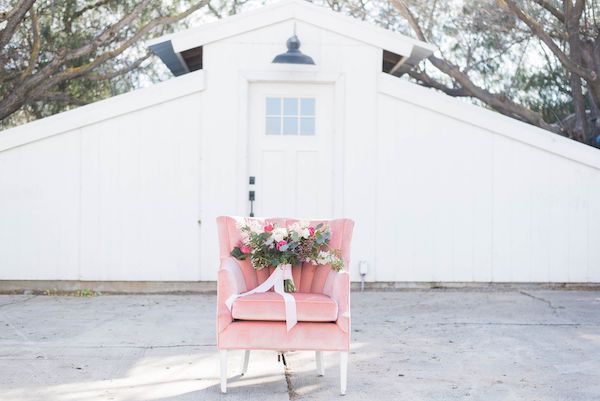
245,249
268,228
281,243
311,230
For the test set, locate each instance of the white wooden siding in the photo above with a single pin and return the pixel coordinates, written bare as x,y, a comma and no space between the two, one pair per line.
115,200
457,202
440,190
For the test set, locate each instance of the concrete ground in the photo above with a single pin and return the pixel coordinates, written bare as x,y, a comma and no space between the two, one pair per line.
409,345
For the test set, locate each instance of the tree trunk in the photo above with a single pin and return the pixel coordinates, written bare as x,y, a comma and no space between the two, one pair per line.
575,45
594,128
591,57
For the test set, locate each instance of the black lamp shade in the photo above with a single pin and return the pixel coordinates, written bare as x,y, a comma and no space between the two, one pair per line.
293,55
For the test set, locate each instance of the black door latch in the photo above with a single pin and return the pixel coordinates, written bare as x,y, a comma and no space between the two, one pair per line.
251,199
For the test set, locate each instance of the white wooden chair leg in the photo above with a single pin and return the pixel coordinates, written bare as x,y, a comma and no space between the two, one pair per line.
223,354
319,361
246,360
343,372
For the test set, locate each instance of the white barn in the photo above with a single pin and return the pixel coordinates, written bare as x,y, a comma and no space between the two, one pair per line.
127,189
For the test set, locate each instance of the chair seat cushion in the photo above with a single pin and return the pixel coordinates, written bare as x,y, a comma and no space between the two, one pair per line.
270,306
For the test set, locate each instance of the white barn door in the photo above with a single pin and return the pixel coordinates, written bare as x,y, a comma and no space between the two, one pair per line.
290,148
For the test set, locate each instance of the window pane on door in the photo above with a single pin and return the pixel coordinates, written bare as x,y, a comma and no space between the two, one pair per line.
273,106
290,116
307,106
290,106
307,126
273,126
290,126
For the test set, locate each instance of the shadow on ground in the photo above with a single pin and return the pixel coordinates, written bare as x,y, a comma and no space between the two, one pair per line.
418,345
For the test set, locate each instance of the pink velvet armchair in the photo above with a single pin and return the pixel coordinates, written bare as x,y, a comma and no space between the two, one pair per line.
257,321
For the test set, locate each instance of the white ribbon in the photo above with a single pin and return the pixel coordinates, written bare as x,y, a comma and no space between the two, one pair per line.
281,273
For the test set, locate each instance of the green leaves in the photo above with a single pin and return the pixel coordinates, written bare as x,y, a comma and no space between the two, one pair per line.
57,56
296,244
263,236
238,254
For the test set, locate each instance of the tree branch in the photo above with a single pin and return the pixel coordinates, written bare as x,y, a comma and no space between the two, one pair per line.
427,81
410,18
548,6
213,10
89,7
60,97
537,30
106,36
35,85
578,9
495,101
572,16
13,19
122,71
430,23
35,47
71,73
63,56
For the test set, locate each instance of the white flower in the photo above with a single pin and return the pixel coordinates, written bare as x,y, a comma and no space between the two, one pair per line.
280,233
322,257
327,258
301,228
256,227
295,228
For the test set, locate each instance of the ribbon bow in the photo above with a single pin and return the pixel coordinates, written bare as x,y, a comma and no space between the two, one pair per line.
281,273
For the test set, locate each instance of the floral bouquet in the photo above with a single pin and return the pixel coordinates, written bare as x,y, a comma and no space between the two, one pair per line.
271,245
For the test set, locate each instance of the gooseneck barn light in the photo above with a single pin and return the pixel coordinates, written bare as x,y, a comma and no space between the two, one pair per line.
293,54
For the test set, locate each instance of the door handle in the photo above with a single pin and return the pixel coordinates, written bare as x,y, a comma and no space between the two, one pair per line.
251,198
251,194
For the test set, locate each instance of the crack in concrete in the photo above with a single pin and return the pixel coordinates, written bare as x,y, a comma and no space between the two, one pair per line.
106,346
18,301
156,346
5,317
513,324
547,302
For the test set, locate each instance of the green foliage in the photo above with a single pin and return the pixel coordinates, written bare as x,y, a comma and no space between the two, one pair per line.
238,254
65,25
497,51
86,292
264,250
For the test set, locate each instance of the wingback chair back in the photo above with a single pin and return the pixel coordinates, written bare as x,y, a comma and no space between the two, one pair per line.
307,278
258,320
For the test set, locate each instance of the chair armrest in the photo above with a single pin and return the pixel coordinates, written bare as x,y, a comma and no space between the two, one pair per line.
230,281
340,292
